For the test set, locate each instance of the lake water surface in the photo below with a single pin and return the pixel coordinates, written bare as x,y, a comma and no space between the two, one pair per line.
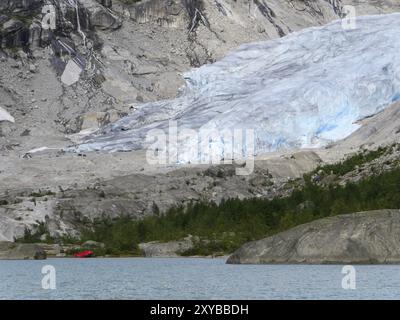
192,278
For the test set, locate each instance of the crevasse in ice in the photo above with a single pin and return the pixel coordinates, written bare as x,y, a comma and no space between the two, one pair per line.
304,90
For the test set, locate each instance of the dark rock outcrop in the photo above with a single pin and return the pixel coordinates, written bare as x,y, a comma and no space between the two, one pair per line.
21,21
21,251
359,238
99,16
166,13
19,6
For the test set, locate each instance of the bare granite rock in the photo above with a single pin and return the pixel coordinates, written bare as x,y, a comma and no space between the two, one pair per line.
358,238
21,251
166,249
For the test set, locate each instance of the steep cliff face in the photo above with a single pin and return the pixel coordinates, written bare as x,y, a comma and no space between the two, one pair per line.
165,13
15,18
23,21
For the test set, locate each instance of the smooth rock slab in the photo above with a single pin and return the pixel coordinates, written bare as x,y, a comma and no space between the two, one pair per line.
21,251
358,238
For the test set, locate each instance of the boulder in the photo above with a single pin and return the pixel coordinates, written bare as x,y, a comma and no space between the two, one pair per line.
56,249
166,13
105,3
100,17
166,249
14,34
90,244
21,251
358,238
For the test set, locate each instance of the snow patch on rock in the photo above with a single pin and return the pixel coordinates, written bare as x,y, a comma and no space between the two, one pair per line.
5,116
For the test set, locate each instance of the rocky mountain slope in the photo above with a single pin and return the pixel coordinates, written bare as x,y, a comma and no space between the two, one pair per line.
125,54
122,54
135,193
103,61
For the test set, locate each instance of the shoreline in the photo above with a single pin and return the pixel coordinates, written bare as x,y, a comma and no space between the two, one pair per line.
142,257
216,258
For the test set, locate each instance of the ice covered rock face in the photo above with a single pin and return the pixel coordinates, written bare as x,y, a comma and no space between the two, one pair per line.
303,90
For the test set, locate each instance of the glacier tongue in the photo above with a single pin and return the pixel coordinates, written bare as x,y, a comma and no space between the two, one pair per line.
303,90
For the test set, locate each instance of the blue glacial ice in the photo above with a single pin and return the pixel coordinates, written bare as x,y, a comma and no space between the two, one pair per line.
304,90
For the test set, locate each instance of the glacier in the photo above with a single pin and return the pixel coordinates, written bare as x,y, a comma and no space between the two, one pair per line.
304,90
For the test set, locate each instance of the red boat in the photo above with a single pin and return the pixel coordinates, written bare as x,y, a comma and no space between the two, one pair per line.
84,254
